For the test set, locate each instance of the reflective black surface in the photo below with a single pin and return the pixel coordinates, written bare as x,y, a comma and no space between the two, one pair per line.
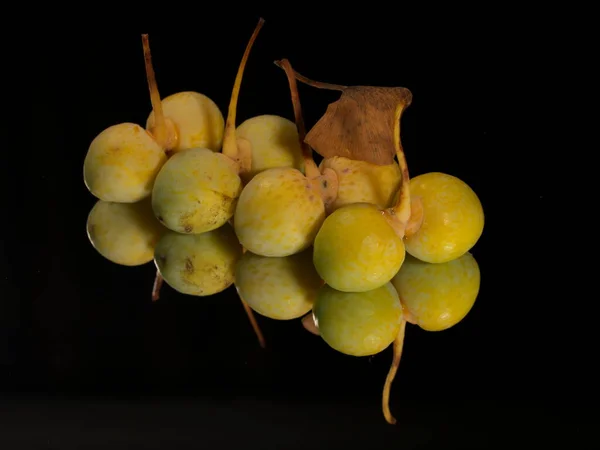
83,348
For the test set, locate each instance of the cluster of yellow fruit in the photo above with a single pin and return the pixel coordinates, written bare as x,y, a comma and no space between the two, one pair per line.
214,205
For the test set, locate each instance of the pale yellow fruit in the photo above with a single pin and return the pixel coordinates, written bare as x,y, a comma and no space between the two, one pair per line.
196,191
363,182
278,213
274,143
198,121
453,218
122,163
356,250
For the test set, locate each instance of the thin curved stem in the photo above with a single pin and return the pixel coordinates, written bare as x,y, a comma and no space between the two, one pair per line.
385,399
402,207
229,141
313,83
310,167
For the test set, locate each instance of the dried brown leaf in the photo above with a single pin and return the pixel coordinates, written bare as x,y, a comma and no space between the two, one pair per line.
360,125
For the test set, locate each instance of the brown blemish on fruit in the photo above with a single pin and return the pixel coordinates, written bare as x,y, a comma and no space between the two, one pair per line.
185,222
211,214
189,266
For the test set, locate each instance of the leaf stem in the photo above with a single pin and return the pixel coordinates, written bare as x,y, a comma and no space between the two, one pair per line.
313,83
310,168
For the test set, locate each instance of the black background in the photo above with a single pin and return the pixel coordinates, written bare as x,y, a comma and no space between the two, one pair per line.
86,357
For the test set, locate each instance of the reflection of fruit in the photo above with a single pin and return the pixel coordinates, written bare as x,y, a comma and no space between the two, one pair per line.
198,264
438,296
124,233
358,323
279,288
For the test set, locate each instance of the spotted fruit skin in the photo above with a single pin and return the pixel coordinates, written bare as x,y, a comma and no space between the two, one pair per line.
122,163
198,264
274,142
356,250
453,218
124,233
196,191
198,121
278,213
358,323
439,295
363,182
280,288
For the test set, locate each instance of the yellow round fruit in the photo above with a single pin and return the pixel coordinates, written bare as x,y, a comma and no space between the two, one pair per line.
122,163
363,182
278,213
274,143
196,191
197,119
356,249
452,218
